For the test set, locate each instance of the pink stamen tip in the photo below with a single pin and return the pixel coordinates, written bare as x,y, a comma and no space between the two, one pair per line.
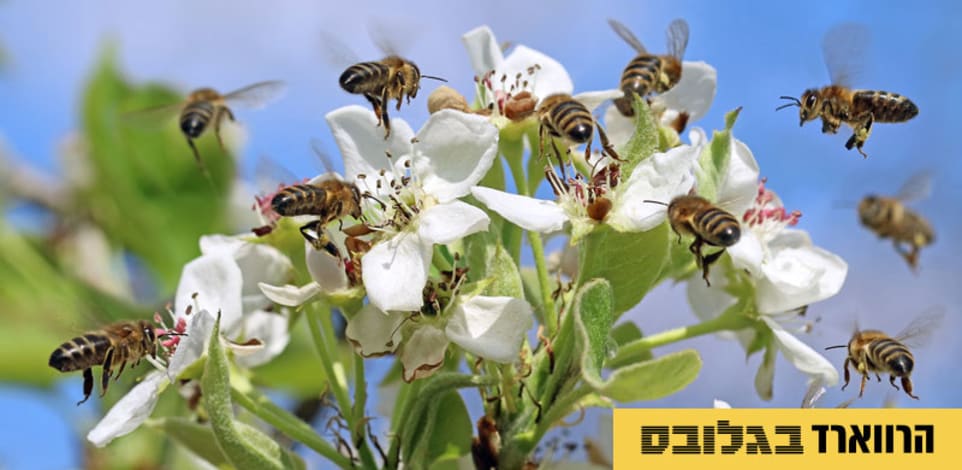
157,318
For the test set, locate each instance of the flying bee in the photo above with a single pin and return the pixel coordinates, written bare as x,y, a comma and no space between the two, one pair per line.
888,217
649,73
710,225
112,345
874,351
564,117
838,103
205,107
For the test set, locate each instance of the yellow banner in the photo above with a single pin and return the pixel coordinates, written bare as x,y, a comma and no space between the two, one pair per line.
784,439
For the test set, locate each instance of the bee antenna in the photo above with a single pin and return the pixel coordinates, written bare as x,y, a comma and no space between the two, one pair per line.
793,101
655,202
432,77
836,346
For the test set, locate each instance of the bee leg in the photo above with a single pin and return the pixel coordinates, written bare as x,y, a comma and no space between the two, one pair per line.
847,375
385,103
907,386
892,381
200,163
861,389
217,121
88,385
122,359
561,161
707,261
107,371
878,378
321,241
606,144
860,134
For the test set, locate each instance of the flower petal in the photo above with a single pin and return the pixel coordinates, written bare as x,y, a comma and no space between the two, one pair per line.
798,273
491,327
373,332
362,142
290,295
326,270
720,404
193,345
803,357
483,50
528,213
130,411
748,253
695,91
218,283
739,185
423,353
550,78
445,223
593,99
765,376
271,328
618,127
454,150
660,177
260,263
395,271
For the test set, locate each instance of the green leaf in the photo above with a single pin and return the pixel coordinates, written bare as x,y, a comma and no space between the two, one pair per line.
714,160
506,279
644,142
452,431
233,439
261,441
594,316
626,333
630,261
145,180
198,438
654,379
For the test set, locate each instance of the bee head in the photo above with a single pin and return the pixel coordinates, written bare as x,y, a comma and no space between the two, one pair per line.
869,208
808,107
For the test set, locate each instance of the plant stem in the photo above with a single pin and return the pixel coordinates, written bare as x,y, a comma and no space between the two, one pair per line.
732,319
287,423
537,246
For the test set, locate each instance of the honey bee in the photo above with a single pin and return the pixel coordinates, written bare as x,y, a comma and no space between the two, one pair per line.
564,117
838,103
390,78
650,73
710,225
205,107
874,351
329,198
889,218
118,343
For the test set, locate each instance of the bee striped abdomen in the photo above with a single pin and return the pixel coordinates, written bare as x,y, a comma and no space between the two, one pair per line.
573,121
195,117
885,106
365,77
719,227
640,76
79,353
300,199
892,354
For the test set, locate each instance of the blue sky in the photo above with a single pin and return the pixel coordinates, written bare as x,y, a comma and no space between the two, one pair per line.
760,49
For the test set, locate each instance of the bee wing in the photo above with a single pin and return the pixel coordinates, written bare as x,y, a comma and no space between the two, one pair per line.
677,38
626,35
257,95
843,49
394,37
269,175
921,328
916,187
154,116
325,158
336,52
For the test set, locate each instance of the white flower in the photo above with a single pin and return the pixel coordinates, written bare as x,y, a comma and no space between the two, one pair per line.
693,94
225,279
418,179
492,328
660,177
547,78
786,270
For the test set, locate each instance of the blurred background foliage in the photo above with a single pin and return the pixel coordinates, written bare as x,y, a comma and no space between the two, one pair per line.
116,233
